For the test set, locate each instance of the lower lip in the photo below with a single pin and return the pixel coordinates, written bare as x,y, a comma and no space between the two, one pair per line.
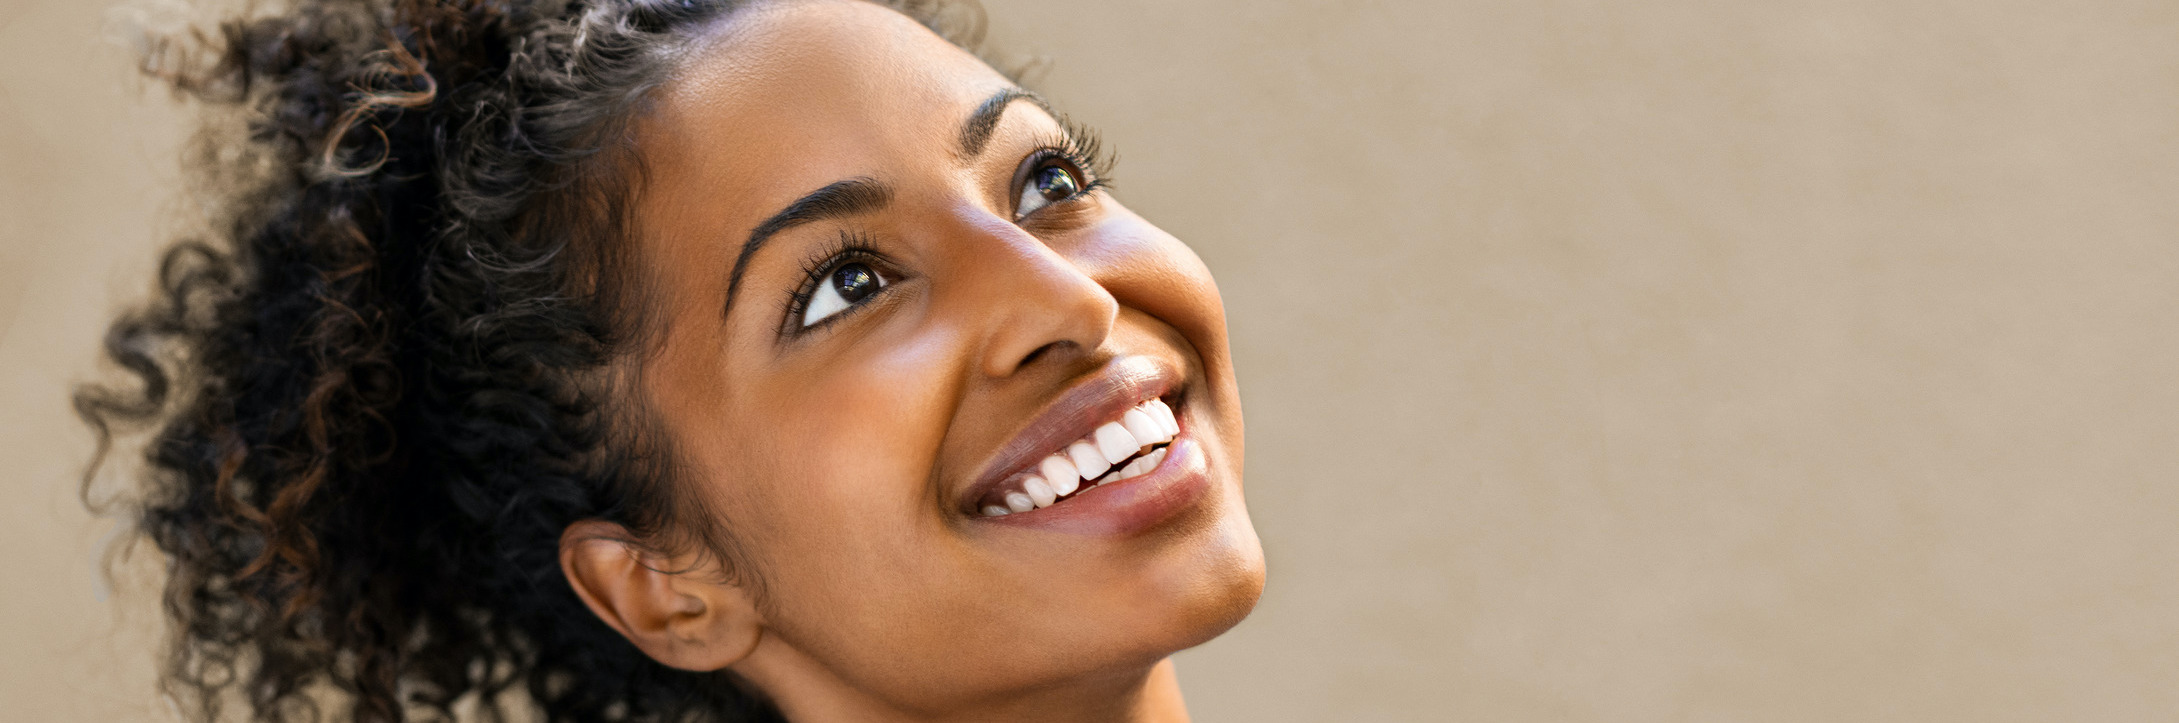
1128,506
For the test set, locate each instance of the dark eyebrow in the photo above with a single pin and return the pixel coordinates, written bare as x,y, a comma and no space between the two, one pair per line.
840,198
977,130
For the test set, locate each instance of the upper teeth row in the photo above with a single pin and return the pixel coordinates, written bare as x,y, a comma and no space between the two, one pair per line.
1059,475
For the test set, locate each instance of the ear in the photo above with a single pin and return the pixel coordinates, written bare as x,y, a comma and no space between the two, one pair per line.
678,616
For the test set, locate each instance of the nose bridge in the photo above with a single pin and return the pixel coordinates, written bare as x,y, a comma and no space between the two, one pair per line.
1025,298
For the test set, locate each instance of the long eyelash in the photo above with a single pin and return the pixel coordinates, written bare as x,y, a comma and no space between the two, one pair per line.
848,246
1085,148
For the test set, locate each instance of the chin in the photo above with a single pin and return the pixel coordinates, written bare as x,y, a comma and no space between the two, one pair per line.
1212,588
1223,594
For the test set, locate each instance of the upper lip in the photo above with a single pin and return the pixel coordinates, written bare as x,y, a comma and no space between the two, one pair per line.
1099,397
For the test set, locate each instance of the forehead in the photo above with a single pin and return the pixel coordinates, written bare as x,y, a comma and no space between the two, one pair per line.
800,93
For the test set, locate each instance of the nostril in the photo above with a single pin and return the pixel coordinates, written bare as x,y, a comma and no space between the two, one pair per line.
1039,352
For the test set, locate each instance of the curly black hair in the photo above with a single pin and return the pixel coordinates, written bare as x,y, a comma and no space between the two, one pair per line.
378,390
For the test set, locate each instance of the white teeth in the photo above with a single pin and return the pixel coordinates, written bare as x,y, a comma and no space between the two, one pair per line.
1164,416
1063,486
1142,465
1056,468
1039,492
1087,460
1115,443
1140,426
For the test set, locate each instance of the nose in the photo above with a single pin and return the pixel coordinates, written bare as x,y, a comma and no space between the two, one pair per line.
1036,306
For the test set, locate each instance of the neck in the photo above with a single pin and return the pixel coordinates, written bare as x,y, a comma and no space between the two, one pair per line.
808,692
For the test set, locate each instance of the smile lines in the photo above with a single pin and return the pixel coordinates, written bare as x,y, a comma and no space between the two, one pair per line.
1135,444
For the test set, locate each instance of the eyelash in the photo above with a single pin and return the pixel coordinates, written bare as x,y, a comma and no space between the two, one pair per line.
1080,146
845,248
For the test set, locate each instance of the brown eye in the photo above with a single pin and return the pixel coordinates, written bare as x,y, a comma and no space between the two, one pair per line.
846,286
1056,183
854,282
1050,183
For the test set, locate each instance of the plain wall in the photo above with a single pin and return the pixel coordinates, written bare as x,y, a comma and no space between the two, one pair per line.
1665,361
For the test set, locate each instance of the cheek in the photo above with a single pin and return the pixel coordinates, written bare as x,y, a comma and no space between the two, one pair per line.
1149,270
864,426
833,462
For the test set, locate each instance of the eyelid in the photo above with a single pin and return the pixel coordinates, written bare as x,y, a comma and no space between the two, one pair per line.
1082,146
848,247
1089,180
1028,166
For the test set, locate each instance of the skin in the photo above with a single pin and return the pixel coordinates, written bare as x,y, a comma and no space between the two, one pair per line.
837,458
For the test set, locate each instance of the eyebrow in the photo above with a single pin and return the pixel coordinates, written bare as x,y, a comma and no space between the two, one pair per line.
977,130
863,195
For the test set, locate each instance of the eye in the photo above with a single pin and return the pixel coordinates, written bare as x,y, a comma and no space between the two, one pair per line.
1052,180
846,285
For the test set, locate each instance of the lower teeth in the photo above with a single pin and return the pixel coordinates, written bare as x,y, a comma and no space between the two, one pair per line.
1139,465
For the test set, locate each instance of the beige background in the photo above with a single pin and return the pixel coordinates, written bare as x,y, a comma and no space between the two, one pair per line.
1678,360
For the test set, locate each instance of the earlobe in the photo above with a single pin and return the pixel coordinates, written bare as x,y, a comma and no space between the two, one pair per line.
678,616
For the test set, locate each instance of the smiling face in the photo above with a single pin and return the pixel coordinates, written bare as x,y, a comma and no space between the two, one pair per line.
893,300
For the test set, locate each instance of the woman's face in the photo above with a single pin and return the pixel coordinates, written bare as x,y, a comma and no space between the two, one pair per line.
889,292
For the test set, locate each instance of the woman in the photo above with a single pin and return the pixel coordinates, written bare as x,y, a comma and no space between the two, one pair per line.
671,360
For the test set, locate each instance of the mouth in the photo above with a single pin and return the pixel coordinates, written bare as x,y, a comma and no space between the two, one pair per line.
1123,448
1115,424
